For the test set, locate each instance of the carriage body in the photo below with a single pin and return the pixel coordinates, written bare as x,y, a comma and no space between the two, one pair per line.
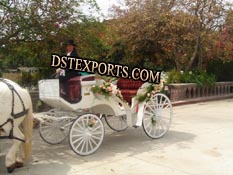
49,93
80,115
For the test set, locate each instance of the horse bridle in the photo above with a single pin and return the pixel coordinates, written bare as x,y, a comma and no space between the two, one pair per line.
13,114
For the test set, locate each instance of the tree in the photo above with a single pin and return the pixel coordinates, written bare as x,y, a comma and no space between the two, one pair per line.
209,15
32,29
174,33
224,45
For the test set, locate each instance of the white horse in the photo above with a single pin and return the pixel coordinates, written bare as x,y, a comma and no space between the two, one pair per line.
16,114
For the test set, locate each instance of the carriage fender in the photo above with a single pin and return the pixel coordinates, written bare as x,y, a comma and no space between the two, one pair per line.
112,106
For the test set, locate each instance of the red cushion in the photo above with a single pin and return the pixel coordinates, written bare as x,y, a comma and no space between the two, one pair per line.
74,89
128,84
128,94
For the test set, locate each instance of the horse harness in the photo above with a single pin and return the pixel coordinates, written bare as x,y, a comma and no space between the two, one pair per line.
13,114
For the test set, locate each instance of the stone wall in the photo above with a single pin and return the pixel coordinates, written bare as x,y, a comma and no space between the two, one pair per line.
185,91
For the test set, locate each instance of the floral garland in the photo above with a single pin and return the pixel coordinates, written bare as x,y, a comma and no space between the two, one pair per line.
107,89
151,90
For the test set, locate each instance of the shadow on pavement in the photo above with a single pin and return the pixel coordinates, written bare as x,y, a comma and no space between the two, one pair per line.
48,159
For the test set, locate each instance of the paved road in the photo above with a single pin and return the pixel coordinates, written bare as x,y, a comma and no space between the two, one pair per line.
198,143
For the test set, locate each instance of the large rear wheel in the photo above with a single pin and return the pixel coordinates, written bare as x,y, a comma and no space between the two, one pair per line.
157,116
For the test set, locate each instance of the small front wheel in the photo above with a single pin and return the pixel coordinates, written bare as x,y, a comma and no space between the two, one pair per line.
86,134
157,116
55,127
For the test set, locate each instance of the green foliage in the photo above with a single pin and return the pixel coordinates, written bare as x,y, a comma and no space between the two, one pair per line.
222,70
29,79
146,95
151,89
117,53
33,30
201,78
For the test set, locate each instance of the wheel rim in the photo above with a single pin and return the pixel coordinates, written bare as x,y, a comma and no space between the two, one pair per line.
117,123
157,116
86,134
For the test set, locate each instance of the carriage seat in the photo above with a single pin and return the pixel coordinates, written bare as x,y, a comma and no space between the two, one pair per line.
129,88
74,91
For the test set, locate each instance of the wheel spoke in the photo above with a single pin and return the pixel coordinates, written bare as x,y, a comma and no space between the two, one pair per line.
84,143
49,134
155,131
148,124
146,119
77,140
152,109
78,130
89,140
164,102
157,128
161,125
166,124
87,120
96,133
148,113
47,125
83,122
87,143
151,128
96,128
61,133
159,102
97,138
79,144
77,135
79,126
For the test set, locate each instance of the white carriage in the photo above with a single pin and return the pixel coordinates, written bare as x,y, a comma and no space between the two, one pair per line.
80,117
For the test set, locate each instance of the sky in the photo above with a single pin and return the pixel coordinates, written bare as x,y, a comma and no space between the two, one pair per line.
106,4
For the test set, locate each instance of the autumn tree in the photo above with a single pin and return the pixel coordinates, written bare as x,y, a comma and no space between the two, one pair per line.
174,32
224,46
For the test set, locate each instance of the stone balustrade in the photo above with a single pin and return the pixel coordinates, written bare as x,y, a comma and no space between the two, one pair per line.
186,91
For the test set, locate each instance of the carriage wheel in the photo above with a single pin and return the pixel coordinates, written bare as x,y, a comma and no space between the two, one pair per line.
86,134
157,116
55,128
117,123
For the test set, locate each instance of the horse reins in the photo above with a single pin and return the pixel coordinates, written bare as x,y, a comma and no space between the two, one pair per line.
14,116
